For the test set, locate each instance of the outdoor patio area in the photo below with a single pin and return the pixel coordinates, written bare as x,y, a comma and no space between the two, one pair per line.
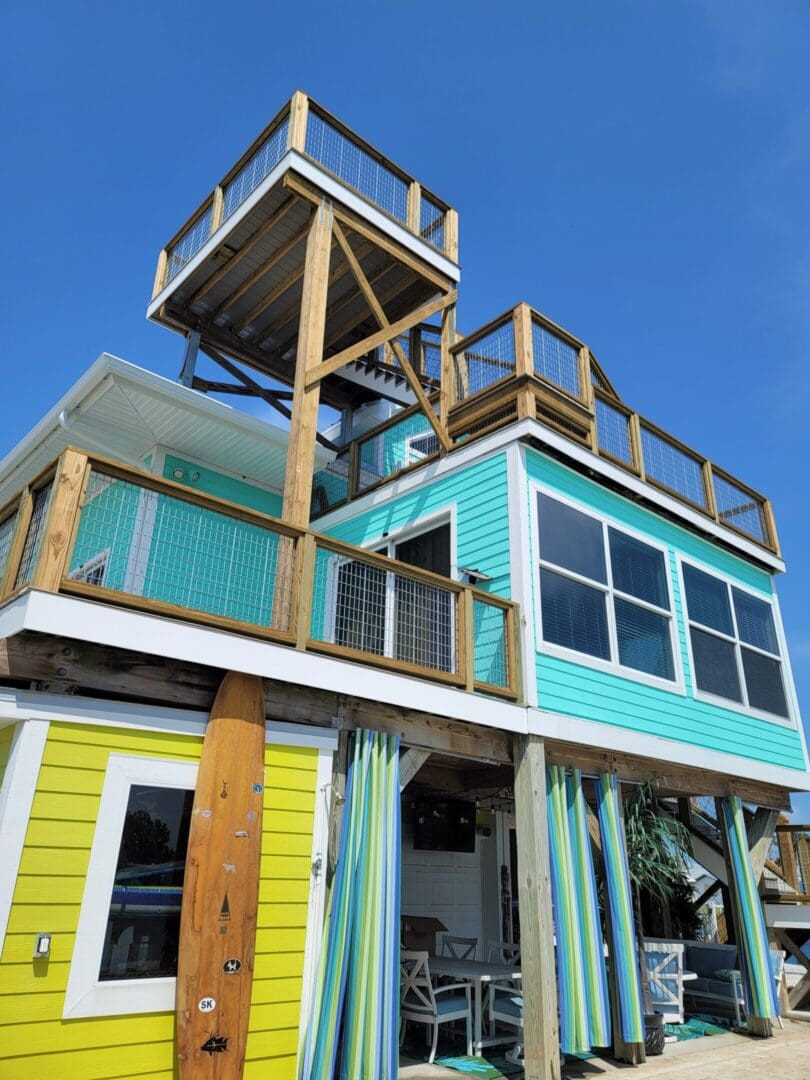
720,1057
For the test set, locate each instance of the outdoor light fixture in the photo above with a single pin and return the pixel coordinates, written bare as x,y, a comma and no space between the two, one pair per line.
42,948
473,577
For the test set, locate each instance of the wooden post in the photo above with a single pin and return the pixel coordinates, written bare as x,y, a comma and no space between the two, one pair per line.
415,207
68,489
468,639
447,392
340,768
635,442
160,272
586,393
24,510
451,234
524,359
541,1049
305,571
708,488
299,111
217,208
309,354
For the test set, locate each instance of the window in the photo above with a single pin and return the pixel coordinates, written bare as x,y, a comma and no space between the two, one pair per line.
125,957
92,571
603,592
735,648
420,446
143,924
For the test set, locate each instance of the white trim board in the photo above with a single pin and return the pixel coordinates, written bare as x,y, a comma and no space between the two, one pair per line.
331,186
564,728
53,613
16,798
16,705
520,571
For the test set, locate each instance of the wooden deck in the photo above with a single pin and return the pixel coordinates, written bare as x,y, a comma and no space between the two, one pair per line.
721,1057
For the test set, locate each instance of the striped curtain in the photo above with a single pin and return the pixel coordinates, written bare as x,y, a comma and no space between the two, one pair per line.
761,995
356,998
617,876
581,977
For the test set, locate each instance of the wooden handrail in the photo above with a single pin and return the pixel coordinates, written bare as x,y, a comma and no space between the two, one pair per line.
292,612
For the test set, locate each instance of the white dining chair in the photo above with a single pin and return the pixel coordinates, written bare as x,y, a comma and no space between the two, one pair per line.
459,948
506,1007
423,1003
503,952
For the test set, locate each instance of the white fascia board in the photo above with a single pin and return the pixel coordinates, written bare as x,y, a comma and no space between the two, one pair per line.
122,628
293,161
608,737
652,495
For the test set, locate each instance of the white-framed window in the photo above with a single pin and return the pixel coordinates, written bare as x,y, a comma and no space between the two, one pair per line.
605,594
125,955
92,571
736,645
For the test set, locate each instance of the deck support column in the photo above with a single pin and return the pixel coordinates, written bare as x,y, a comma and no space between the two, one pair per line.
541,1038
309,354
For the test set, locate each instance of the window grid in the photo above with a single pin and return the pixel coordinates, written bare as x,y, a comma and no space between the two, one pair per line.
739,645
611,593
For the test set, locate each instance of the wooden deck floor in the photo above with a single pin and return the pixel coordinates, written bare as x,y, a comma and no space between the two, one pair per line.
721,1057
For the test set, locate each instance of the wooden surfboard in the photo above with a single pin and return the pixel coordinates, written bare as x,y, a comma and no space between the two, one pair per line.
221,886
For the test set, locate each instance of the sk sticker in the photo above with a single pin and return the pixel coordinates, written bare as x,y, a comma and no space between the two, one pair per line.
207,1004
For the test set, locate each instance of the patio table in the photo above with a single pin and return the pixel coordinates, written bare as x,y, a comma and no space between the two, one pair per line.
476,972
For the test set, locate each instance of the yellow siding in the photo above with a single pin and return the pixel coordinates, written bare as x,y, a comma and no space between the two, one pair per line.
6,735
36,1041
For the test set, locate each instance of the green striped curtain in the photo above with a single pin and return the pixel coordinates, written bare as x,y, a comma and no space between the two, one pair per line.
617,878
355,1009
581,977
762,999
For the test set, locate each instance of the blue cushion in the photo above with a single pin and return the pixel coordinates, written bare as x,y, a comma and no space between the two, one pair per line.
445,1003
509,1005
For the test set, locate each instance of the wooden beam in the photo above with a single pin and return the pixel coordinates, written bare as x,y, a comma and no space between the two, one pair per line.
306,399
229,264
321,369
541,1042
409,765
299,114
760,837
707,894
382,319
670,779
280,253
524,359
447,397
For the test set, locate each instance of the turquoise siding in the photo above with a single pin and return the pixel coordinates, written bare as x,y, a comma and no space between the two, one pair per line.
224,487
107,524
573,689
479,496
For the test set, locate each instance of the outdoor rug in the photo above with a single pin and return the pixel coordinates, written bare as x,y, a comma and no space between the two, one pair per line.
492,1068
696,1027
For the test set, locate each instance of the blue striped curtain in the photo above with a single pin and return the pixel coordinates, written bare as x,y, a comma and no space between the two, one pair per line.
356,998
760,987
581,977
617,877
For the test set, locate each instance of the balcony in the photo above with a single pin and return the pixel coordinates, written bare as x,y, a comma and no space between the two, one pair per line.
96,529
522,365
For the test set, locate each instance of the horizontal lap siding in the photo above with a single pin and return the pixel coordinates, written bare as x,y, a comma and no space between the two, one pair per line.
479,494
576,690
36,1042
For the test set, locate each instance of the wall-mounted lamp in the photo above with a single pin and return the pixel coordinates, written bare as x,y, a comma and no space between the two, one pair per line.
473,577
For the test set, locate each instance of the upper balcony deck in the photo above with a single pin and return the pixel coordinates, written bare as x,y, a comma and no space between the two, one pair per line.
523,366
234,271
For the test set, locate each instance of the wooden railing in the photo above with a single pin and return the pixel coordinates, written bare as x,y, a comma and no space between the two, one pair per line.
306,127
94,528
791,864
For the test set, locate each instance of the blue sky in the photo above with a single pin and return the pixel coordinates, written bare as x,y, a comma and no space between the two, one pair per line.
639,171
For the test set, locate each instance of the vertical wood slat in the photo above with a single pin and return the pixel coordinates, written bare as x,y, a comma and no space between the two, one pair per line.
466,638
160,272
24,510
635,442
447,391
541,1042
59,526
587,394
524,359
513,666
217,208
304,586
451,234
299,112
414,216
770,526
708,490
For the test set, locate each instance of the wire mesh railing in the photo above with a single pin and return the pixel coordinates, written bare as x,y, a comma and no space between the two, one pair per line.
481,361
144,542
321,137
791,857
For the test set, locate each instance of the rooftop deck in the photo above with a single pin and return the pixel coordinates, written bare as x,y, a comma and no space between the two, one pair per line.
523,365
97,529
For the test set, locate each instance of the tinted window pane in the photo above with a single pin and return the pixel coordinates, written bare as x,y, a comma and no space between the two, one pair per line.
707,600
763,681
144,920
638,569
644,641
571,539
715,665
574,615
755,621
